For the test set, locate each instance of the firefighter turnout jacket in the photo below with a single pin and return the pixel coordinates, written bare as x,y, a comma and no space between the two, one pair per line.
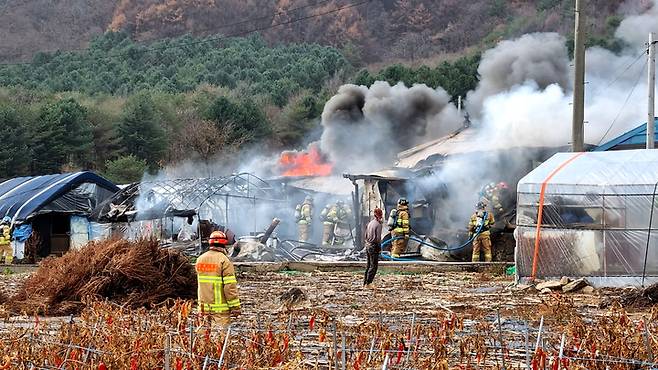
399,221
5,235
304,213
217,285
481,217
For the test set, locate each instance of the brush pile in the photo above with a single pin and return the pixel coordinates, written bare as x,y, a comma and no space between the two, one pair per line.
132,274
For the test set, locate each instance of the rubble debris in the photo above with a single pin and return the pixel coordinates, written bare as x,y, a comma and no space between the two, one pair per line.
252,250
133,274
545,291
551,284
565,280
587,290
292,297
575,285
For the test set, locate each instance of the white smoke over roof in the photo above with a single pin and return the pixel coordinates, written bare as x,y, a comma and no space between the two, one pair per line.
538,57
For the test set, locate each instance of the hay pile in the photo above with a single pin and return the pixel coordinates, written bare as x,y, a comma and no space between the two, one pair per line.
132,274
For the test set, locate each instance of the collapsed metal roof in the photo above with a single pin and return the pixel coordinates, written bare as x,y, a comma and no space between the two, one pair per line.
181,197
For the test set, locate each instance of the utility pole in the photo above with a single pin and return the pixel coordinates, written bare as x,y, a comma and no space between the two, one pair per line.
577,129
651,128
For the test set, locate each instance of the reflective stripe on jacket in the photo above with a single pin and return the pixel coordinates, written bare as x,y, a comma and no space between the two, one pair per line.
402,222
217,285
5,235
479,217
306,212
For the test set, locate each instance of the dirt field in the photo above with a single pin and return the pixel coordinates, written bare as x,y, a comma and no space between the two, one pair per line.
410,321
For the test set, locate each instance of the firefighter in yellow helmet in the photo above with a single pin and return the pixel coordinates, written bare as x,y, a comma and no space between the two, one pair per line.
304,217
217,285
481,221
5,241
398,224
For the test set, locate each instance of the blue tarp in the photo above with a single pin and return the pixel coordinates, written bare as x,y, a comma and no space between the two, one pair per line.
76,193
633,139
22,233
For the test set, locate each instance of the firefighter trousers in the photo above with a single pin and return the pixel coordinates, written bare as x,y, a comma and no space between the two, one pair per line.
304,230
482,243
7,252
399,246
327,233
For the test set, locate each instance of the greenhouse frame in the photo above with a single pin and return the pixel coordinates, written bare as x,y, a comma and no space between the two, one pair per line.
590,215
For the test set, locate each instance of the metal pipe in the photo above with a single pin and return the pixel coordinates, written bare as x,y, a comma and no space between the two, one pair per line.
270,229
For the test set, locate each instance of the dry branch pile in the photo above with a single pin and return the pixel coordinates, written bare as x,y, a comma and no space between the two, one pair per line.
133,274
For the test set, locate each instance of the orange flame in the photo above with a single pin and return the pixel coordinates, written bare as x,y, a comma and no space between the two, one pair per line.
310,163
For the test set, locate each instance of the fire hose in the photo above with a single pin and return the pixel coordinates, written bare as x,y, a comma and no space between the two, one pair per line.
422,242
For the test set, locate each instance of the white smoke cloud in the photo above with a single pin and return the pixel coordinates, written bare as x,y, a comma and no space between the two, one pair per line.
538,57
524,100
635,29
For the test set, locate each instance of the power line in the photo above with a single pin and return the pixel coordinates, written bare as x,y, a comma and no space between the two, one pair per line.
637,81
219,38
619,75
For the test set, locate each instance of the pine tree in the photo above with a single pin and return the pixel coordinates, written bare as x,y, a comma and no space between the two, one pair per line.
61,137
140,131
14,153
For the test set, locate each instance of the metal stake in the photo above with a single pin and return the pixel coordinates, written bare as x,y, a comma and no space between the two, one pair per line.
541,326
385,365
411,333
342,354
221,357
500,338
167,359
335,346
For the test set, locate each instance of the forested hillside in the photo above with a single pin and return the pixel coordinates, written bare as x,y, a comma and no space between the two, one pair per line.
150,94
368,30
121,107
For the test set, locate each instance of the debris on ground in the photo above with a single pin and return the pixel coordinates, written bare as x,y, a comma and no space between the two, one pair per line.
132,274
566,285
448,320
634,297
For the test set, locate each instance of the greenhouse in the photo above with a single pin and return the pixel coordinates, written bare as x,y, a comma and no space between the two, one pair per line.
590,215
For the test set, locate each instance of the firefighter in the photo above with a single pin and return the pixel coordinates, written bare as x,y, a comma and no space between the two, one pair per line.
217,285
304,217
327,225
336,217
398,224
481,222
491,195
5,241
341,218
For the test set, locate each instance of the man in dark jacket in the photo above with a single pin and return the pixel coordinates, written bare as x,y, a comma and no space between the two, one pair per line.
373,240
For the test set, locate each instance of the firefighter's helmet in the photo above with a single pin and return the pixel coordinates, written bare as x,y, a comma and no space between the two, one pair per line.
403,202
218,239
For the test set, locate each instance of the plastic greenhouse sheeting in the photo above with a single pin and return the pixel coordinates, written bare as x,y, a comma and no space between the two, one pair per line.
590,215
75,193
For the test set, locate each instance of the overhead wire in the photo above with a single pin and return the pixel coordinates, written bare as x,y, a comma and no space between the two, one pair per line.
619,75
628,97
217,38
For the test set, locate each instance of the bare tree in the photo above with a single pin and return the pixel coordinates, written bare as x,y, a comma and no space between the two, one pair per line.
205,140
